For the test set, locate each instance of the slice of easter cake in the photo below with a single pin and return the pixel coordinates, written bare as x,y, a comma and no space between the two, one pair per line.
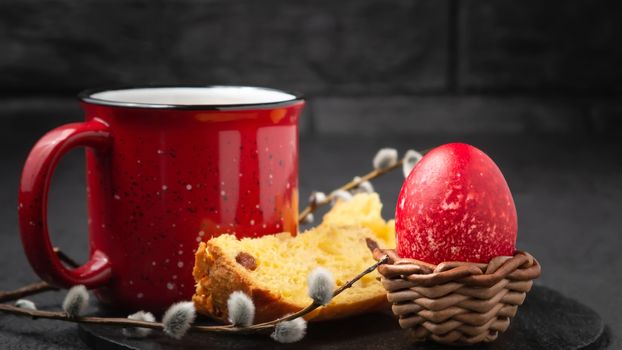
273,270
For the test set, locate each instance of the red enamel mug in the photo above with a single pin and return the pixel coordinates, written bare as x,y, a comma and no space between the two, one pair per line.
167,167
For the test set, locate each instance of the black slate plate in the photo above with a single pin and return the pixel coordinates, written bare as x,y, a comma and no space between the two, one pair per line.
547,320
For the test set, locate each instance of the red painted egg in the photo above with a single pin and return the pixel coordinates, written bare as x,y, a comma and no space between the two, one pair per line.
455,206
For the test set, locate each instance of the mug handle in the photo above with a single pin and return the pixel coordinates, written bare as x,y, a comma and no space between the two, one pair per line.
33,198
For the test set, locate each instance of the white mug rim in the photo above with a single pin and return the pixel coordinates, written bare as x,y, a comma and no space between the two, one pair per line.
106,97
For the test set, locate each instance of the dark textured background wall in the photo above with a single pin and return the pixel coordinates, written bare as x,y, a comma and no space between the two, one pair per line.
443,66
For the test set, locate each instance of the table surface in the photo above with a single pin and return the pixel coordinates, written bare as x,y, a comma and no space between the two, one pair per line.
567,190
546,320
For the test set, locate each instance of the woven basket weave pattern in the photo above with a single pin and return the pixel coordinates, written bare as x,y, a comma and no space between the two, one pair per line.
457,303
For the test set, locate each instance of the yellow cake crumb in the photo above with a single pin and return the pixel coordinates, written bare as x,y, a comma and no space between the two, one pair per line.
364,209
277,278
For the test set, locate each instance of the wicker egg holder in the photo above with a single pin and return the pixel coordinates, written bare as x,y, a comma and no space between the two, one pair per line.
457,303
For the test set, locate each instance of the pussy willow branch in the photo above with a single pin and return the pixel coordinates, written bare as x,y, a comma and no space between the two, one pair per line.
337,291
125,322
348,186
37,287
104,321
351,185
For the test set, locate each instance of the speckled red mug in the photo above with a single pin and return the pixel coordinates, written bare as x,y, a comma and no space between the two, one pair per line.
167,167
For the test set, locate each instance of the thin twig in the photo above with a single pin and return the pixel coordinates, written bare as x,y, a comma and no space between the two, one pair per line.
30,289
348,186
349,284
37,287
65,258
125,322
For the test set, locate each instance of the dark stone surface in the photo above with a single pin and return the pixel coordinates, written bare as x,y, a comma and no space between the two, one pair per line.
447,114
606,117
400,115
460,65
66,45
316,46
540,45
547,320
311,46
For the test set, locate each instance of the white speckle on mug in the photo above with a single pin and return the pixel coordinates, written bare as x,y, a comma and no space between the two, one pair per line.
160,151
153,263
174,277
198,238
188,187
164,187
264,225
223,193
252,222
139,295
131,282
173,225
180,252
170,286
180,264
103,225
201,233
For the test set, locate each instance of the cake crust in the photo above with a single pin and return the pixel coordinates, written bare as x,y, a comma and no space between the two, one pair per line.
218,276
